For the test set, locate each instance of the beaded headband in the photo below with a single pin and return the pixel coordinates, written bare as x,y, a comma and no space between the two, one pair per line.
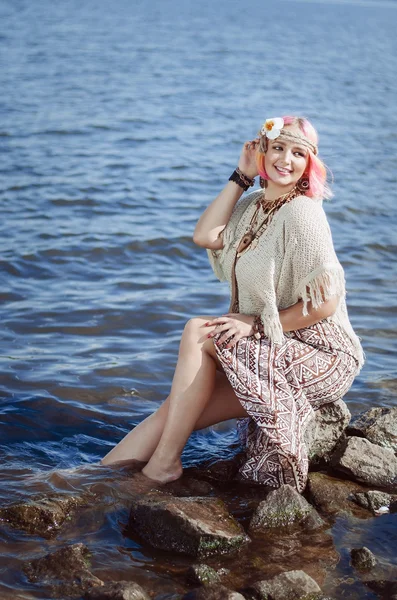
274,129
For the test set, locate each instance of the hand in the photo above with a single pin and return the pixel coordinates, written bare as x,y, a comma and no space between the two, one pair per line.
247,161
232,325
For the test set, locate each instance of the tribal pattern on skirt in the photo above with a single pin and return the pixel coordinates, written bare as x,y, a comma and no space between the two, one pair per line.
280,386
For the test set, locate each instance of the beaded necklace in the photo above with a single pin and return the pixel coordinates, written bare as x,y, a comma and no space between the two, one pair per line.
250,238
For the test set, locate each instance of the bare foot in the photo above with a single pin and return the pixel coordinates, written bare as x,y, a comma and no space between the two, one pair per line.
163,474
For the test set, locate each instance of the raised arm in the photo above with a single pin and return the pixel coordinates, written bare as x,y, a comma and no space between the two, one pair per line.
215,218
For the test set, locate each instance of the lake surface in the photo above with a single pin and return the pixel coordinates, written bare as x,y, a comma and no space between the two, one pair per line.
119,123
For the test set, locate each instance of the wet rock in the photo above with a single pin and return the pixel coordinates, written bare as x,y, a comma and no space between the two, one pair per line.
373,500
197,526
333,496
202,575
64,571
213,592
387,590
292,585
285,507
362,559
378,425
325,430
366,462
43,516
120,590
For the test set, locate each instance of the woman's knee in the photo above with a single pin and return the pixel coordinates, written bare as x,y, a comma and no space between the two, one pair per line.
195,328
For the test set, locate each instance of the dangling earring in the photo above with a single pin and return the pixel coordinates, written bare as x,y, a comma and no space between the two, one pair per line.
262,182
303,184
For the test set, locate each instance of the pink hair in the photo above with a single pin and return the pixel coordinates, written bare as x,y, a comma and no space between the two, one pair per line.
315,170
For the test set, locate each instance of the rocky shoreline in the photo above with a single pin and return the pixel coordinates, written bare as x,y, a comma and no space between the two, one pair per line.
235,549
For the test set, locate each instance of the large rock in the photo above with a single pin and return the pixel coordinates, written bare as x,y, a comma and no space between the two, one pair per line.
64,571
366,462
332,496
325,430
378,425
362,559
282,508
213,592
373,500
120,590
43,516
197,526
292,585
202,575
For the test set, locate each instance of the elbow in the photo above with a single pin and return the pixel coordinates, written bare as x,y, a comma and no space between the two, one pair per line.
328,308
199,240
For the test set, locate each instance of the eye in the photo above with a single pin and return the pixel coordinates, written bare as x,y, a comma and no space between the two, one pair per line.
277,148
300,153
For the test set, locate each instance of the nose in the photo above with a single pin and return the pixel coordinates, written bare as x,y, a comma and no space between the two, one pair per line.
286,156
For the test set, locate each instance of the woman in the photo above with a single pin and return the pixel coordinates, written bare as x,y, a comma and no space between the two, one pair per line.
286,347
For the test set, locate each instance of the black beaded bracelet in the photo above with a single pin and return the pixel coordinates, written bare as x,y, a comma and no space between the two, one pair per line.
242,180
258,328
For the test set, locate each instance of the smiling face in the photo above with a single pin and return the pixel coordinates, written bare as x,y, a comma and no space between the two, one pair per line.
285,161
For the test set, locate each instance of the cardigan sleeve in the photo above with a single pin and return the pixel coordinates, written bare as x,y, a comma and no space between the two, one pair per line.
315,271
229,235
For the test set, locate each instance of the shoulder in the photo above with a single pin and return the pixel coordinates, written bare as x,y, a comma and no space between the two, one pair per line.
245,203
304,210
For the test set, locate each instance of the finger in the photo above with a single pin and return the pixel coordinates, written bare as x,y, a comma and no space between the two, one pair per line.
228,334
217,321
234,341
219,329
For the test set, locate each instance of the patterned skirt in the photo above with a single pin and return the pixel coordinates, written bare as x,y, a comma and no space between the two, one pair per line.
280,386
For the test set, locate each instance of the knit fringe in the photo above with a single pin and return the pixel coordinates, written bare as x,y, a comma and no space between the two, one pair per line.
272,328
215,255
321,285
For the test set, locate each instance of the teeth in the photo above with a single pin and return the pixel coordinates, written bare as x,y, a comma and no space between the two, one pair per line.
283,170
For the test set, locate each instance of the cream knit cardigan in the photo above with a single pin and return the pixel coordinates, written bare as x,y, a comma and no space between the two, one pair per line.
293,260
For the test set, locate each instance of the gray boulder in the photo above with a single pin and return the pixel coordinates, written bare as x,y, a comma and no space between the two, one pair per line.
202,575
333,496
120,590
284,507
292,585
213,592
64,571
378,425
325,430
197,526
43,516
366,462
373,500
362,559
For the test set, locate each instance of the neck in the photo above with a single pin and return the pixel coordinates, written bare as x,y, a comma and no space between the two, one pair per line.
274,191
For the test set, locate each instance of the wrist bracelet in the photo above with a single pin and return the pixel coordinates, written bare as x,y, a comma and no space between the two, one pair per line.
258,328
242,180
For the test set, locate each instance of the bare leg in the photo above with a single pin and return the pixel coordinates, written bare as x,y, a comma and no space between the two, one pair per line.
192,388
221,405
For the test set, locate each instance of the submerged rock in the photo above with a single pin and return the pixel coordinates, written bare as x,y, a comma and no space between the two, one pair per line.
332,496
64,571
202,575
373,500
378,425
325,430
292,585
120,590
43,516
387,590
362,559
284,507
197,526
366,462
213,592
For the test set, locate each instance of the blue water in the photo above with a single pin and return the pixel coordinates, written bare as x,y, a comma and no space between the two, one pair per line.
119,122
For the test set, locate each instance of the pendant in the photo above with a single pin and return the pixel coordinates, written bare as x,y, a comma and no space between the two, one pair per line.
245,243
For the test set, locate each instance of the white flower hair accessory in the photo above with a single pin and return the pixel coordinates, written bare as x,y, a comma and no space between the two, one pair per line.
271,128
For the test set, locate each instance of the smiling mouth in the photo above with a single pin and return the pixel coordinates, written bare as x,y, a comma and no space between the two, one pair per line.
283,171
